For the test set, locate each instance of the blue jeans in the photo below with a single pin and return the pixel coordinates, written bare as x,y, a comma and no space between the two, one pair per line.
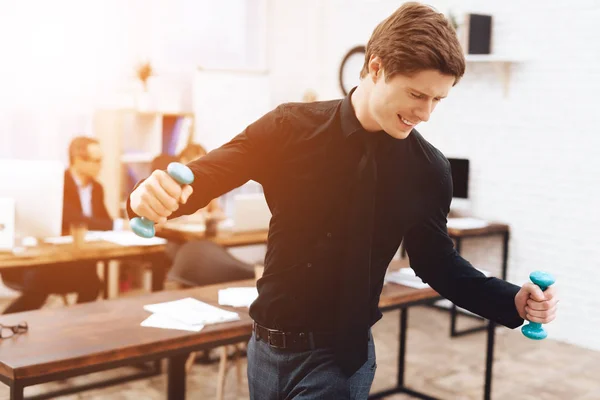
276,374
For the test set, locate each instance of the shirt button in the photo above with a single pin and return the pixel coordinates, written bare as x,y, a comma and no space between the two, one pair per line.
329,235
308,265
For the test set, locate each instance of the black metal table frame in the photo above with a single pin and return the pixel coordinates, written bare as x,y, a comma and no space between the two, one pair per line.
453,309
176,373
400,385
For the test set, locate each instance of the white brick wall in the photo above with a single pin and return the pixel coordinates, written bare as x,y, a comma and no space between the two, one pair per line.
533,152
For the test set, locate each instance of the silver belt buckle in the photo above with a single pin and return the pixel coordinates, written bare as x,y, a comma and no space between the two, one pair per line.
270,341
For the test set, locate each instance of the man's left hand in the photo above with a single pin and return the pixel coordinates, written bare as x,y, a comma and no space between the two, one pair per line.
536,306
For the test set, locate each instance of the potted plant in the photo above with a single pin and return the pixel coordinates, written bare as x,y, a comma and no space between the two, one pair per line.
143,72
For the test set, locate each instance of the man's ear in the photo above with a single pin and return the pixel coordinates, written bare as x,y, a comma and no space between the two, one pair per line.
375,68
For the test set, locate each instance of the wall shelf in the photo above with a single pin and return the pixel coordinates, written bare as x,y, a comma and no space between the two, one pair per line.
130,140
491,58
501,62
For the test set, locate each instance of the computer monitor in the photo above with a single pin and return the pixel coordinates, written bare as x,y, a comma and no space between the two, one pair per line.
460,183
460,177
251,213
37,190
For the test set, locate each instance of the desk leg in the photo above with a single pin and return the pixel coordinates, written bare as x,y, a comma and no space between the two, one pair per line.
402,346
16,391
106,278
400,388
453,310
176,377
489,362
160,265
505,255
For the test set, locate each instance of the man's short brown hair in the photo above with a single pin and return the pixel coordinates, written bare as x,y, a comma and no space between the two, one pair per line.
416,38
79,147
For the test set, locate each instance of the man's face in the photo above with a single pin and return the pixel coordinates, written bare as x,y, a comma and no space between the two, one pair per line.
89,164
398,105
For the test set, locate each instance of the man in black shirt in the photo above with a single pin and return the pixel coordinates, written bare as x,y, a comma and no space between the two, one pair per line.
348,180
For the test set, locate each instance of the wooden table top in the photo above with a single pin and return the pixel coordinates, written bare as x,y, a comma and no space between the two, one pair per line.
47,254
394,295
231,239
88,334
224,238
107,331
491,228
44,253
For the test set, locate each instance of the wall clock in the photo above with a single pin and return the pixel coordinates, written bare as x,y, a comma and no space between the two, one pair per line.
350,68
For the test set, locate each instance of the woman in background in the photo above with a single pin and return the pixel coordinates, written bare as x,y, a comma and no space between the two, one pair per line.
190,153
201,262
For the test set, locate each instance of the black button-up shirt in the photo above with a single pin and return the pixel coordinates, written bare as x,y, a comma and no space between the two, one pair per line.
305,155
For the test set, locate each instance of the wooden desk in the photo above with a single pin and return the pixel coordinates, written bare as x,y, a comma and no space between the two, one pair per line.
394,297
92,337
492,229
226,239
458,235
48,255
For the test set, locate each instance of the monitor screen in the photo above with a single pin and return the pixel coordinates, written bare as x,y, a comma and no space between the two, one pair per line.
460,177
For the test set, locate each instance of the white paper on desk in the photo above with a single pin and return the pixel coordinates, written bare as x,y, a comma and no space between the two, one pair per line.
237,296
90,236
406,277
164,322
180,224
186,227
466,223
192,312
128,238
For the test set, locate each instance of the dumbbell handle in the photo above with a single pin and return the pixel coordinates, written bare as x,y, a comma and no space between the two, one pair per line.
534,330
182,174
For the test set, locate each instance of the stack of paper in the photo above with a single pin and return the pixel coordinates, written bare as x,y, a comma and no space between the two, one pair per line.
406,277
238,296
124,238
90,236
128,238
466,223
166,322
186,314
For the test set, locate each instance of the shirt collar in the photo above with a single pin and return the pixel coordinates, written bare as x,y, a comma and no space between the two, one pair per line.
350,123
78,182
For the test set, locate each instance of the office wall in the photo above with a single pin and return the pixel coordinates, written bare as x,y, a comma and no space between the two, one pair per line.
65,58
533,151
59,57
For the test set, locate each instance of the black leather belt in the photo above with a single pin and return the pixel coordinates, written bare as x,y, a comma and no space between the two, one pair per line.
296,341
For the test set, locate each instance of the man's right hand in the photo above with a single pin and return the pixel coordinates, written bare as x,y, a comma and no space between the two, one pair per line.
158,197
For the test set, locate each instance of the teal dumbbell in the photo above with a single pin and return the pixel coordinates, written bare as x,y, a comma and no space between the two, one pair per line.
534,330
144,227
